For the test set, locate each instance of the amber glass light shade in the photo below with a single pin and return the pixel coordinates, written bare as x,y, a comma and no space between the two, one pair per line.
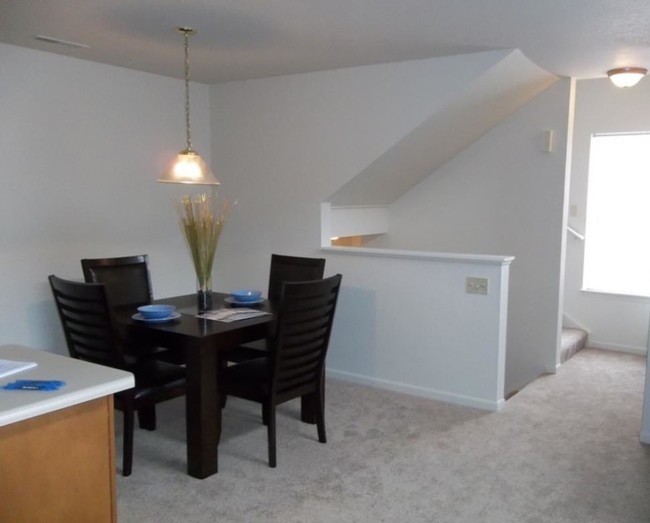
189,167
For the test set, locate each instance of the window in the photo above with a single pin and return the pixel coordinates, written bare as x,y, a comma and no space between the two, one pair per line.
617,244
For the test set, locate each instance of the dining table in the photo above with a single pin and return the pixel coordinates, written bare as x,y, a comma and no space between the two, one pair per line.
200,342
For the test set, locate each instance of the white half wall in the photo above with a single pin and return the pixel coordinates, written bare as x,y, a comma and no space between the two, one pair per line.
405,322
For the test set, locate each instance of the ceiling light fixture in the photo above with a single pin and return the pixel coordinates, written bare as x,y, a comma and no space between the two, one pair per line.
626,76
188,166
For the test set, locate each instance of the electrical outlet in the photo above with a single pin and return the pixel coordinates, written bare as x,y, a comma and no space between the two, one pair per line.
475,285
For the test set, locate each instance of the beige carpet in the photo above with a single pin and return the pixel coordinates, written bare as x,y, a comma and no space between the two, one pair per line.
565,449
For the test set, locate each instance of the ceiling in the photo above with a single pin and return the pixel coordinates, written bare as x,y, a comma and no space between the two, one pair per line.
242,39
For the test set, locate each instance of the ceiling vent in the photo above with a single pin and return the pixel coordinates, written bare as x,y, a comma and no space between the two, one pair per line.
57,41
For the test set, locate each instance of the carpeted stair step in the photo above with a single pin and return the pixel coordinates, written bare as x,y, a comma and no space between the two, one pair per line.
573,340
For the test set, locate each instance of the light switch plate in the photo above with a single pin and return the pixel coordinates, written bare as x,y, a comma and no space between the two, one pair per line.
475,285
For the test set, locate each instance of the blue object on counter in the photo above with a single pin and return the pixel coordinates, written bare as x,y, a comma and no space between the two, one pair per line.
34,385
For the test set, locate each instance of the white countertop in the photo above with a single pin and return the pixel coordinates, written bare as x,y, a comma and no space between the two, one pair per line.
84,382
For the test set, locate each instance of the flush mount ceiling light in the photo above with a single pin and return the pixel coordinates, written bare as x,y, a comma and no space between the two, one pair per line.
188,166
626,76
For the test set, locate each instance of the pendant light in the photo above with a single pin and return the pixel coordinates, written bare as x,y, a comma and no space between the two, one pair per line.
188,166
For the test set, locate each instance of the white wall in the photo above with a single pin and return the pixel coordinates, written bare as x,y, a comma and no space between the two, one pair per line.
613,322
503,195
82,145
283,145
84,142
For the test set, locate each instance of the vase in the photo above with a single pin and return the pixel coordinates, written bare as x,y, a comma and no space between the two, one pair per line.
204,294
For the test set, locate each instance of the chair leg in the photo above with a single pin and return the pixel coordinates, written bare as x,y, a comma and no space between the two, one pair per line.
127,452
270,429
147,418
308,407
320,418
265,414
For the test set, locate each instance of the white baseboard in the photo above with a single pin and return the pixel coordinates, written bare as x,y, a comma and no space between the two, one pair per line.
413,390
629,349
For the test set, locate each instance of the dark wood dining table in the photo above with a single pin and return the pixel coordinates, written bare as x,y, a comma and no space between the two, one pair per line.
199,341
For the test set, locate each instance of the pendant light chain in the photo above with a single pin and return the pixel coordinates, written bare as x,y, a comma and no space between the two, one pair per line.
188,166
188,133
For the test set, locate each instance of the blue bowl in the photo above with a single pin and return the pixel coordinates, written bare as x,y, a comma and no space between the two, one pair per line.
156,312
246,295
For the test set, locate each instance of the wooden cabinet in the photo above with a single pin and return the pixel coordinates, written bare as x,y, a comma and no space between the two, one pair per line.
57,450
60,466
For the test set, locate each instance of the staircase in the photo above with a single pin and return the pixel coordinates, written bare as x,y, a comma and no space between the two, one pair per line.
573,340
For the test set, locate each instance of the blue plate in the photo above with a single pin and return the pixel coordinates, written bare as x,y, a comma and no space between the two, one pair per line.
236,303
172,316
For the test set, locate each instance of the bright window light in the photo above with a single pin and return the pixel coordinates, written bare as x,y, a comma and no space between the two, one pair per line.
617,244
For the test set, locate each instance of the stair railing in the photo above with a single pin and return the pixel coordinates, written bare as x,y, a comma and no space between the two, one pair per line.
576,234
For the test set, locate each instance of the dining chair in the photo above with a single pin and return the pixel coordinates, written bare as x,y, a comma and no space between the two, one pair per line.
296,364
90,334
282,269
292,268
128,283
127,278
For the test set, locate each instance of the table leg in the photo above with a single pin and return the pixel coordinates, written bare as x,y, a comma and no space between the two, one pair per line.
203,411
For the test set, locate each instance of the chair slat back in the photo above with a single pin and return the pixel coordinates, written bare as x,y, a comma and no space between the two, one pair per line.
127,278
87,321
292,269
305,318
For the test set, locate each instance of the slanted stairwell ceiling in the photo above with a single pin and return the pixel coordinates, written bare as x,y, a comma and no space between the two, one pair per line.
469,112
